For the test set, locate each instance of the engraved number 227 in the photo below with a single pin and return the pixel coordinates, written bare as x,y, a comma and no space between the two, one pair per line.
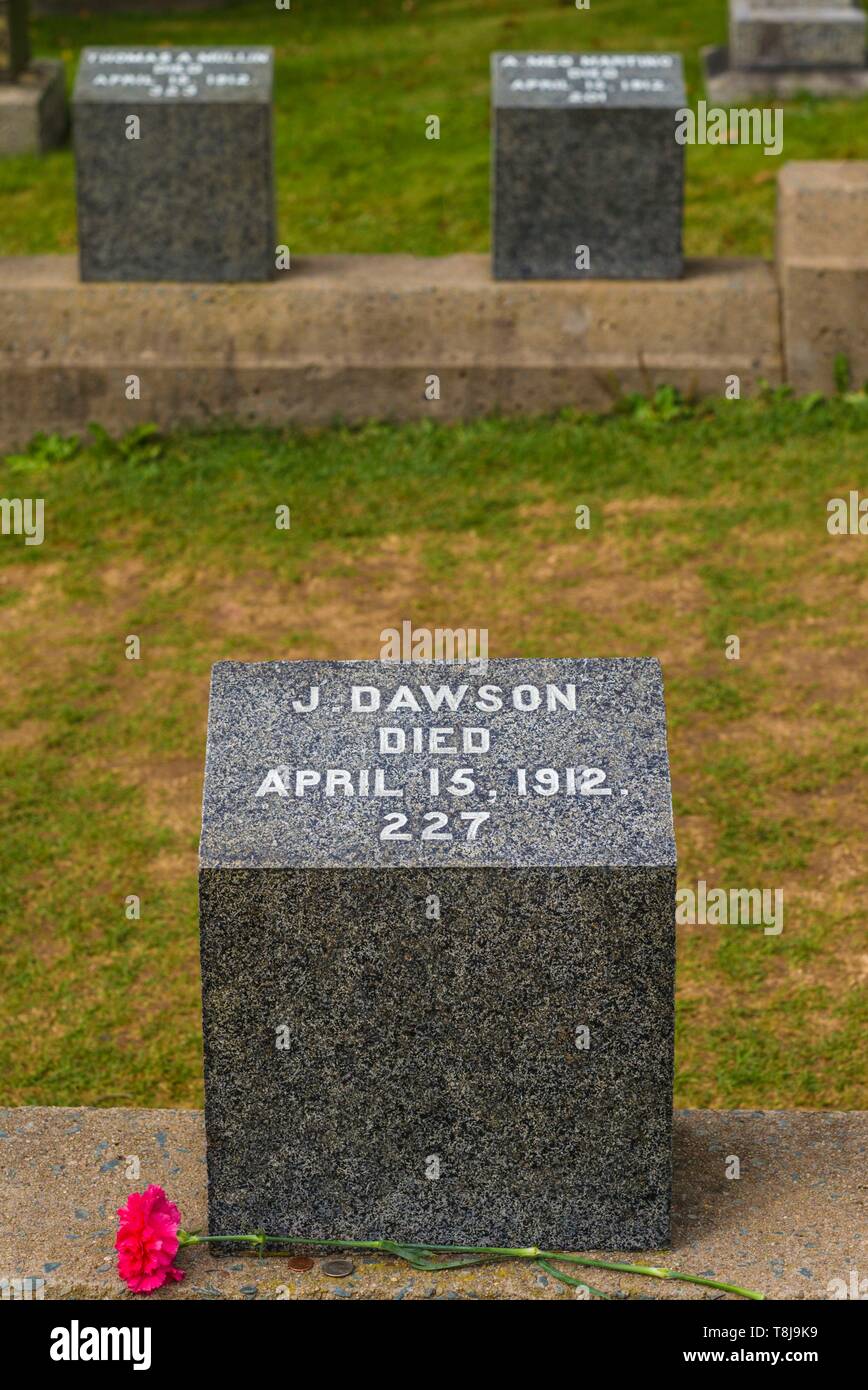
434,829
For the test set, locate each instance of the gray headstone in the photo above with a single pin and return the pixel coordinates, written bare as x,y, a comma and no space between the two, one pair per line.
796,33
584,155
192,198
14,39
429,1015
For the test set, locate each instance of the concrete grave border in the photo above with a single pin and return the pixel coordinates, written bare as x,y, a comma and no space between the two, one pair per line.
787,1225
356,337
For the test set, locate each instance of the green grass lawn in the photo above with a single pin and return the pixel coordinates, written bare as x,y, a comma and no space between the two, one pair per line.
706,522
355,80
704,525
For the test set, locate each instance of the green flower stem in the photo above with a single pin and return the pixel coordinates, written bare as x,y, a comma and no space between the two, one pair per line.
654,1272
574,1283
487,1252
660,1273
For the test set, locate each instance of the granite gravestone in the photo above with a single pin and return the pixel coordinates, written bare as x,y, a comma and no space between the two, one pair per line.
584,156
437,941
174,164
796,33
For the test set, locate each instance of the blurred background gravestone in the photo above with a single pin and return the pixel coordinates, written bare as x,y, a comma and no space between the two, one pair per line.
782,47
173,158
587,177
33,110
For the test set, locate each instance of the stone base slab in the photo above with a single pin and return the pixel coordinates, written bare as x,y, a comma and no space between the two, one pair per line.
788,1226
34,116
822,258
784,33
355,337
726,85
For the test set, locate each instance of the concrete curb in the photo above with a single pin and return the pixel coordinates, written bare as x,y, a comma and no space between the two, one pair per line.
822,257
401,338
788,1226
362,336
34,115
727,85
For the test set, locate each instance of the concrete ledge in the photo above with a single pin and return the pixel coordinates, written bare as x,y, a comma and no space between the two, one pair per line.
787,1227
822,259
726,85
357,336
34,116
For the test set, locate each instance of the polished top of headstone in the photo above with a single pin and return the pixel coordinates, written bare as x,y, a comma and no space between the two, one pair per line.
162,75
587,79
597,728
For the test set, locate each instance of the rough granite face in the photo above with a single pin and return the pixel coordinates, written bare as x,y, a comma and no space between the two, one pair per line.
393,1024
584,155
796,33
193,197
14,39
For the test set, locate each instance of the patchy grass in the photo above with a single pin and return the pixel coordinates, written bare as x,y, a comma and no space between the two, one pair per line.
355,80
702,527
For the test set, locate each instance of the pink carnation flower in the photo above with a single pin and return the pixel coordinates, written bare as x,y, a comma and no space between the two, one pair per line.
147,1240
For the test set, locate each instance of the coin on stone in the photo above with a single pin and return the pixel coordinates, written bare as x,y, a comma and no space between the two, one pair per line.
300,1264
337,1268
